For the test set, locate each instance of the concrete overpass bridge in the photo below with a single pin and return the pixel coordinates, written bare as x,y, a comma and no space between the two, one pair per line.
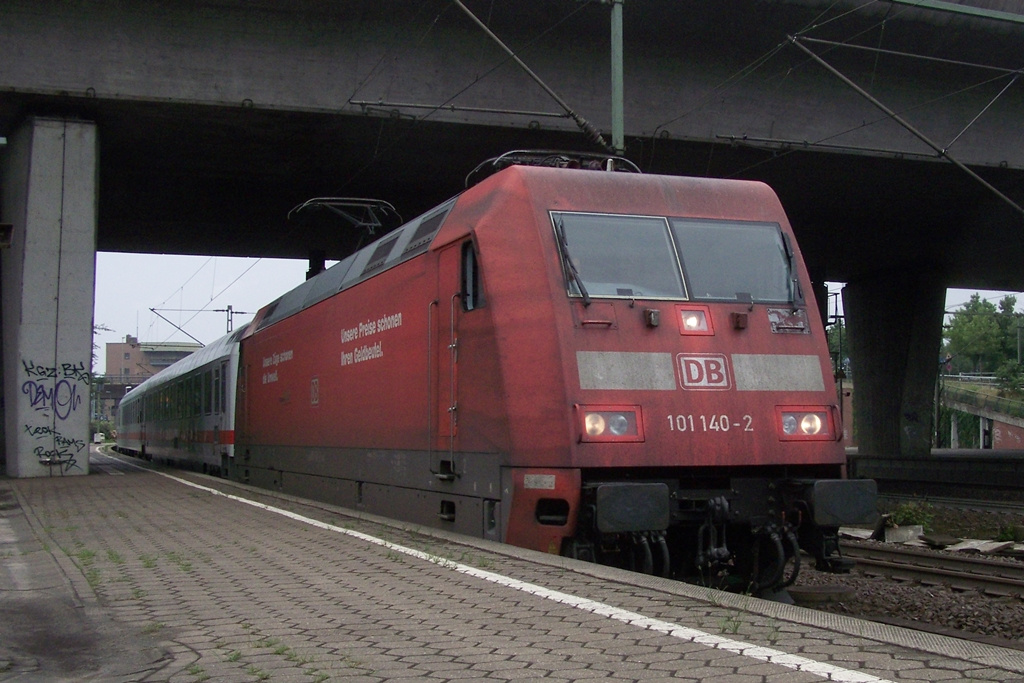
194,126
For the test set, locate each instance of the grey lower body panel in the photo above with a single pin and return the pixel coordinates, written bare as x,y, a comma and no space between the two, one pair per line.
397,484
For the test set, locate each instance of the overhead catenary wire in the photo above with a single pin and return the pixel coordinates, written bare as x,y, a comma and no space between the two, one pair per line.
377,153
217,296
588,129
909,55
793,146
189,279
817,23
987,299
756,64
360,85
940,151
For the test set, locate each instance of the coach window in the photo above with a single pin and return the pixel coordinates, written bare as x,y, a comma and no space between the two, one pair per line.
207,388
197,392
216,391
472,292
223,387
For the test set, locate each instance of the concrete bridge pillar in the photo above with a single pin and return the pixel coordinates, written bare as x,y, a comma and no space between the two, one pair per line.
48,192
895,327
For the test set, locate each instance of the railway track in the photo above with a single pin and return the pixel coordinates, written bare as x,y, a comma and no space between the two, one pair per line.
1012,506
996,578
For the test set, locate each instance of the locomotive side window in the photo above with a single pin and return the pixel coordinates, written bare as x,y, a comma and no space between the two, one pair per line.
618,256
733,261
472,292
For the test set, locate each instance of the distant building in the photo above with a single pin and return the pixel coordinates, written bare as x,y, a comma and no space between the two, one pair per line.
131,362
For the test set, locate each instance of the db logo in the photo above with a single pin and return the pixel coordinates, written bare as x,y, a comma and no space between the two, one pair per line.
709,371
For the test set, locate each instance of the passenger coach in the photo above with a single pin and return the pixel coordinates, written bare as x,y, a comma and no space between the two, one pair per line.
186,413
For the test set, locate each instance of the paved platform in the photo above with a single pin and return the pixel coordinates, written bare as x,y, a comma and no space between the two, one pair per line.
136,575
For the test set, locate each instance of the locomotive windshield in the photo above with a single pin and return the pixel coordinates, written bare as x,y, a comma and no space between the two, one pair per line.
729,260
616,256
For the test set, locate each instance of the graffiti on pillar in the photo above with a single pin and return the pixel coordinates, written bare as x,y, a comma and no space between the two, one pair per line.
61,397
55,392
73,371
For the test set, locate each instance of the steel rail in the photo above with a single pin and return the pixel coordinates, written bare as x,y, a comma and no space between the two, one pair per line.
1011,506
991,577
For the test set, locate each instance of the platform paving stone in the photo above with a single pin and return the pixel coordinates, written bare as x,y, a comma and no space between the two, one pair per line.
231,592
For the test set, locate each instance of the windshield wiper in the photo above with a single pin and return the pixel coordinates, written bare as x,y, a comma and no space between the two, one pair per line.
570,267
796,294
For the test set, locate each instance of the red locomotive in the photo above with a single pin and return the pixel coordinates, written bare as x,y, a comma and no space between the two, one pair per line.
614,366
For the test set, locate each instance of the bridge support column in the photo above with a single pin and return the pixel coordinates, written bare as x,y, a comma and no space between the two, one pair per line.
48,178
895,324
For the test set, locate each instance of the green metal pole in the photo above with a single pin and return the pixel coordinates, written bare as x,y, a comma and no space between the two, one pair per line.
618,117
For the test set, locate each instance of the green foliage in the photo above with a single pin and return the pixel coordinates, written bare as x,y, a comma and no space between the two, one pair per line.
908,514
968,430
982,337
1008,322
104,427
974,335
1011,378
838,347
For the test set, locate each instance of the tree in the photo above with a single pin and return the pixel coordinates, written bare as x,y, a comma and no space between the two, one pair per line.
976,340
838,344
982,337
1008,322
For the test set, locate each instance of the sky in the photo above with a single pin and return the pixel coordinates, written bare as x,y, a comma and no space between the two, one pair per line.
129,285
955,298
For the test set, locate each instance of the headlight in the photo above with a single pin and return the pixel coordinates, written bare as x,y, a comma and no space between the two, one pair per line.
810,424
610,423
813,423
694,319
619,425
595,424
789,424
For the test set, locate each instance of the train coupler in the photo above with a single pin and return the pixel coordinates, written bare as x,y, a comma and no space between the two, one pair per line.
579,549
823,544
711,538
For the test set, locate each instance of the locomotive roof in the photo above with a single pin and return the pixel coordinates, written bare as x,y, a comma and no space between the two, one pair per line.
207,354
416,237
403,243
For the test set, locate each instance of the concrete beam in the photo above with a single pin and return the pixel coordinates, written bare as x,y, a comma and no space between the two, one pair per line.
986,413
681,66
48,177
895,331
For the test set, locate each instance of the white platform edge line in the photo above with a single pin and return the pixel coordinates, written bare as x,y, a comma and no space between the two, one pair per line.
828,672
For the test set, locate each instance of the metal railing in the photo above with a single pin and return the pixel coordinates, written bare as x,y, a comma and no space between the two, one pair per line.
972,378
982,399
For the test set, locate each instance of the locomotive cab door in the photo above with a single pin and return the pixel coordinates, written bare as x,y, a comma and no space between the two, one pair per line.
445,355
